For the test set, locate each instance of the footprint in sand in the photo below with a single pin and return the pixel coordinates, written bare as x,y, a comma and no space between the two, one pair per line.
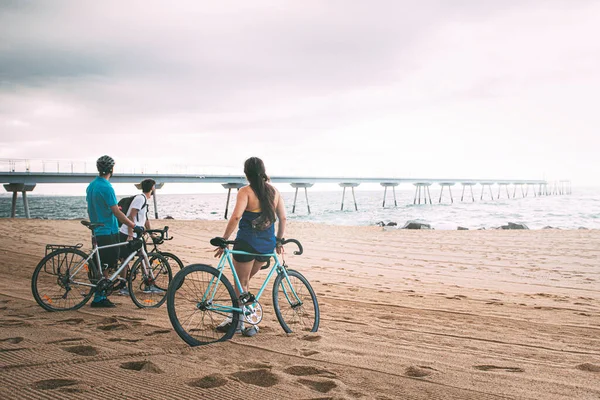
66,340
209,381
588,367
13,340
418,371
322,386
14,349
159,332
311,338
112,327
495,368
142,366
48,384
13,323
87,351
126,318
258,365
308,353
305,370
257,377
72,321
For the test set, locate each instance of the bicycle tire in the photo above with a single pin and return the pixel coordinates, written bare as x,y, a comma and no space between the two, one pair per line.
49,284
171,256
293,317
191,319
139,284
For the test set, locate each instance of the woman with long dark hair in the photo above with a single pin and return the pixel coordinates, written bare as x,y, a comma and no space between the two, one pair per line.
257,208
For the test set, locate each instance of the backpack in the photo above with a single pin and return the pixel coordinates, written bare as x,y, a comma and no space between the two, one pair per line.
125,203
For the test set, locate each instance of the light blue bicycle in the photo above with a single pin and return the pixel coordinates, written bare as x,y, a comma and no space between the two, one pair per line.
201,297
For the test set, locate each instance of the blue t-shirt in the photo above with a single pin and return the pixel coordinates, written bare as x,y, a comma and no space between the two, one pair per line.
100,197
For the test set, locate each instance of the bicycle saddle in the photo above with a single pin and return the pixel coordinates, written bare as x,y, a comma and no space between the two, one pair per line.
90,225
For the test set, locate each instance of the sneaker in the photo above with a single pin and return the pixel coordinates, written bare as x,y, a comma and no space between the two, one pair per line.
152,289
226,324
123,292
104,303
251,331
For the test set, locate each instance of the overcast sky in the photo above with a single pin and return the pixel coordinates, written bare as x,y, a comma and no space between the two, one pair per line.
454,89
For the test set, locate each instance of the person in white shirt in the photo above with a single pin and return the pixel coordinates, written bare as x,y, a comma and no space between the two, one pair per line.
138,213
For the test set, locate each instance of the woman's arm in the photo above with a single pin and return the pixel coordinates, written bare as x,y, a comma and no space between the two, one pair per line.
280,211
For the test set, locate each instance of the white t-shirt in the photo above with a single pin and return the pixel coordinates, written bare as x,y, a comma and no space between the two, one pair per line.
140,218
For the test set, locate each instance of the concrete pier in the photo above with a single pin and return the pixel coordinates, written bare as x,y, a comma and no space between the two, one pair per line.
393,186
351,185
15,188
449,186
424,187
229,186
304,185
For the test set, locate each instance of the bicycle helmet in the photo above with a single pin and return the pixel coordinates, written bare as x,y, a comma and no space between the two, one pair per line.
105,164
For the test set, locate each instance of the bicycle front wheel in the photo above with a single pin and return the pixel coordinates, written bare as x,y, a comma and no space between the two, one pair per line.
295,303
200,305
149,290
172,259
62,281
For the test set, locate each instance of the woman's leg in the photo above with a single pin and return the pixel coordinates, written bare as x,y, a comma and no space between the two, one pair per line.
243,270
255,268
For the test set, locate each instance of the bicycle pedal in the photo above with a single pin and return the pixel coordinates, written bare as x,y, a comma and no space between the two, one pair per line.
246,298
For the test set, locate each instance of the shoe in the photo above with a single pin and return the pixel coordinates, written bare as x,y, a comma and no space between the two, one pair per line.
152,289
251,331
123,292
226,324
104,303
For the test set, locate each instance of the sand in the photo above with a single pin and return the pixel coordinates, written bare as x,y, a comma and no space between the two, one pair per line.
405,315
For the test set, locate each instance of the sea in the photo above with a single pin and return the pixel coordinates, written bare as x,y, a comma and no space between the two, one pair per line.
580,209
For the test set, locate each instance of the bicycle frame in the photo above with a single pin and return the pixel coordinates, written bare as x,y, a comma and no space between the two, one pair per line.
95,251
277,267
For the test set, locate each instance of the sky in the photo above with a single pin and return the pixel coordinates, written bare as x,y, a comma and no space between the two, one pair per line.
433,89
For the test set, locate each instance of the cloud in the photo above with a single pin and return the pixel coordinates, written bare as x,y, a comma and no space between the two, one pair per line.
216,81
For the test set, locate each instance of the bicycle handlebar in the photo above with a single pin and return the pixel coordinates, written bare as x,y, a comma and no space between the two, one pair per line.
164,235
222,243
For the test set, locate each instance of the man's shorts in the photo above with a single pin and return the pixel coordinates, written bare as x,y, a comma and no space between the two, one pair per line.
109,256
243,246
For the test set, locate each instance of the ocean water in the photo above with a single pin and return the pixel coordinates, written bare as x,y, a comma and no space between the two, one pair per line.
579,209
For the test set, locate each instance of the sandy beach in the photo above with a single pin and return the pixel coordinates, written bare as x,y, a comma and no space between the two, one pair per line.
404,315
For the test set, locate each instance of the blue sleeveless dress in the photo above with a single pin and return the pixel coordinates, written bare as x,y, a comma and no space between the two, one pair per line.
262,241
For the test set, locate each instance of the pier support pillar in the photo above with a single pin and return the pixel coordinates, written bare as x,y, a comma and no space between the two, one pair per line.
15,188
515,190
470,185
489,185
352,186
500,190
449,186
304,185
157,186
230,186
385,186
424,186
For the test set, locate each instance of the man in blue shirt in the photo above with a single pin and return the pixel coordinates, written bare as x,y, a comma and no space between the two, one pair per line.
102,208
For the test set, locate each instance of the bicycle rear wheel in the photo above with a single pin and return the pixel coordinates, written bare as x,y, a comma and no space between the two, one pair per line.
172,259
146,291
62,280
198,302
295,303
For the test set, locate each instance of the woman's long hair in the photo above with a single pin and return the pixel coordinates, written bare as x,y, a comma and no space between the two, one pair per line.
254,168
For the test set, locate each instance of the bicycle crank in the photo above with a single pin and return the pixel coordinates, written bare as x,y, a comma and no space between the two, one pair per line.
253,313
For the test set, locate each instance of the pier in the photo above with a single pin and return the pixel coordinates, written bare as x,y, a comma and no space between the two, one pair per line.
21,178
